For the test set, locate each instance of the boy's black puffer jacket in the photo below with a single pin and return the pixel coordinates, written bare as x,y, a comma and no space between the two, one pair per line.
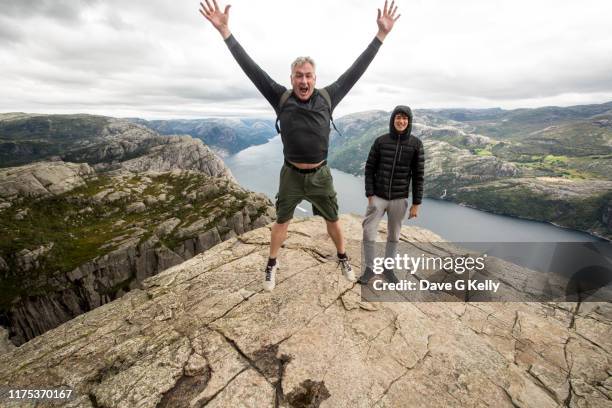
396,160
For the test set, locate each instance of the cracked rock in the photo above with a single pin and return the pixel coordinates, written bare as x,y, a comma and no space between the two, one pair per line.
203,332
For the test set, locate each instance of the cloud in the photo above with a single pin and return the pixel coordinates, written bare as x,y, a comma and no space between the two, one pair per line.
62,10
162,58
10,32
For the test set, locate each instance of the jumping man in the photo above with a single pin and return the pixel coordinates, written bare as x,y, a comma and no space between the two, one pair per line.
304,113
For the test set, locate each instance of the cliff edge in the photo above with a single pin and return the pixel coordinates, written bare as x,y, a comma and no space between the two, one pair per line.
203,333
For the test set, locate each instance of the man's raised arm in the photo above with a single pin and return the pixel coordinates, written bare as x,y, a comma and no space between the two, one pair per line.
220,20
385,21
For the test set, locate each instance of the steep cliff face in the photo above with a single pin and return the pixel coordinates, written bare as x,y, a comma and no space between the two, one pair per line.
76,239
131,204
203,333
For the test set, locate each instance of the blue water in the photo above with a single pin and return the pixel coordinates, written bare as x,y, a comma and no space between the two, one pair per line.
257,168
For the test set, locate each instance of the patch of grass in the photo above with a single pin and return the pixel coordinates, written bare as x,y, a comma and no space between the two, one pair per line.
482,152
555,160
92,186
134,181
80,237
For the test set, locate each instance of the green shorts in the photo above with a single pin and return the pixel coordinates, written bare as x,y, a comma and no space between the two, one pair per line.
316,188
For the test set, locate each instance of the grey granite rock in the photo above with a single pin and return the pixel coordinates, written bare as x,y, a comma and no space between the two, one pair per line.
137,207
204,333
29,259
167,226
5,344
42,178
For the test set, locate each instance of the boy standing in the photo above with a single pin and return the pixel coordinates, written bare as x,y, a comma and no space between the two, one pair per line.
395,161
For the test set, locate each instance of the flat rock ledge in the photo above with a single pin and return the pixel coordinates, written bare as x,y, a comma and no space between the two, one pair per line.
203,333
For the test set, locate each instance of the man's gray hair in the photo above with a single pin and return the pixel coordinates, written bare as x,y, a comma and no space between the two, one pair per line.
301,61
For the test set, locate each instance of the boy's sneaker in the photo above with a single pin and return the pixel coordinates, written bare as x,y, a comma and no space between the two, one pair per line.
367,275
270,278
347,269
389,275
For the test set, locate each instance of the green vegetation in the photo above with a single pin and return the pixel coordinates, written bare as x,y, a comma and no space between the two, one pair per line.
555,166
82,228
519,201
27,139
483,152
555,160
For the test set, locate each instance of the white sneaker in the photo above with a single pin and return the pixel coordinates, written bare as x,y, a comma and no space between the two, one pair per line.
270,278
347,270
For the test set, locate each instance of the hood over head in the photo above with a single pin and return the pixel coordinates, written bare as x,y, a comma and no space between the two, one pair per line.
406,111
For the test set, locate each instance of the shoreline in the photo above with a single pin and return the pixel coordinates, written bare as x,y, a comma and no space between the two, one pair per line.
591,233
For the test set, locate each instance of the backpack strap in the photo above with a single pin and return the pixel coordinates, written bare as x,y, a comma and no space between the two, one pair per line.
326,96
283,98
281,103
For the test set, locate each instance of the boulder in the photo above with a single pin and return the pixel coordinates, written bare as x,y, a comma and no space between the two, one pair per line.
136,207
43,178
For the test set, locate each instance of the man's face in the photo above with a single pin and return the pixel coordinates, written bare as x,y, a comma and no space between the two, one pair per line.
400,122
303,80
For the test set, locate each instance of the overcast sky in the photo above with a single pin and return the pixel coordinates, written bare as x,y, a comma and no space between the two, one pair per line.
161,59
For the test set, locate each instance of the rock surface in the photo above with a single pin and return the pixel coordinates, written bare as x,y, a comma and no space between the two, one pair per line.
42,179
177,153
78,235
5,343
98,257
203,333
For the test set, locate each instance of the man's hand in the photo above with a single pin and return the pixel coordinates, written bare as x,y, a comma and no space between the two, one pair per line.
386,19
218,19
413,211
371,200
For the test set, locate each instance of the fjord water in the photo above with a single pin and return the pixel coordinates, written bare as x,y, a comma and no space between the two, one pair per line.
257,168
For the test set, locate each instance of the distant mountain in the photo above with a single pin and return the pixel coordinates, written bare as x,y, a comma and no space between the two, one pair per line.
225,136
548,164
520,122
25,138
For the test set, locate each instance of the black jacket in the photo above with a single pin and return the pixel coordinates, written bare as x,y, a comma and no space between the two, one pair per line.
394,161
304,125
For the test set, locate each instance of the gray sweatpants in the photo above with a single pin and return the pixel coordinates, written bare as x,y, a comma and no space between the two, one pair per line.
396,212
